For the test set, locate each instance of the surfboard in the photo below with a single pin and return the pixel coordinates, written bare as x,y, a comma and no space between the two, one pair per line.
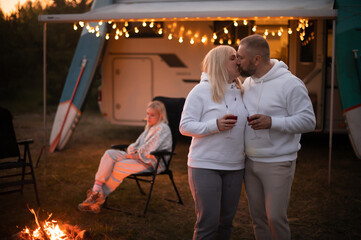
78,81
348,67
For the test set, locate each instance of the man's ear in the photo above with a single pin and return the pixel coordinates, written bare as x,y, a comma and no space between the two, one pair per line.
257,59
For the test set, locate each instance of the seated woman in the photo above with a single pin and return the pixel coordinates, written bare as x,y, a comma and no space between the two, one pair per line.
115,165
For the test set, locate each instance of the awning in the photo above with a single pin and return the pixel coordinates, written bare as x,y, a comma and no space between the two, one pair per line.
201,10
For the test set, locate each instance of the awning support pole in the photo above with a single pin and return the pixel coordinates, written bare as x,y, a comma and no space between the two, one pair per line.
44,147
331,101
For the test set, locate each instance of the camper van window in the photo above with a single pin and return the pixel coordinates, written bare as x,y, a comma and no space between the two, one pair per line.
228,33
141,30
308,44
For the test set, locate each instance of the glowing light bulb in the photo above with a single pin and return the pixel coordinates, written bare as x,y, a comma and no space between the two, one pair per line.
136,30
97,34
117,31
254,28
289,31
229,41
180,39
116,37
235,23
144,24
126,34
279,33
266,32
126,24
114,26
100,23
245,22
170,36
151,25
204,39
107,36
225,30
75,27
192,41
81,23
214,36
160,31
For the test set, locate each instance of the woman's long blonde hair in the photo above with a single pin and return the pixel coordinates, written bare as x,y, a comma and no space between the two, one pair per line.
160,108
214,64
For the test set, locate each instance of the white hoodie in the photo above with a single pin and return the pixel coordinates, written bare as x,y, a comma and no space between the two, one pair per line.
210,148
284,97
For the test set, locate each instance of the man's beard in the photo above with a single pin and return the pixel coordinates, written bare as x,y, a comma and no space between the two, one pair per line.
246,73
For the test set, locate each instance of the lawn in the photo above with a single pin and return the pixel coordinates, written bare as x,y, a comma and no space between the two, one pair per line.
317,211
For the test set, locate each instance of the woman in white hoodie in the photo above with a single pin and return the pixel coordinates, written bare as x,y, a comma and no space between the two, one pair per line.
216,154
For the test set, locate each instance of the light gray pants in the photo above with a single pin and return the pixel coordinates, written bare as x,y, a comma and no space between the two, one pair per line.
268,188
115,166
216,195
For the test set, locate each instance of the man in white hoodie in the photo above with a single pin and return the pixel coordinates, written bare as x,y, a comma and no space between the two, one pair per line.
279,111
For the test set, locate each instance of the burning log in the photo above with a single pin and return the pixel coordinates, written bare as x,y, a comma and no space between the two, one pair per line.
50,230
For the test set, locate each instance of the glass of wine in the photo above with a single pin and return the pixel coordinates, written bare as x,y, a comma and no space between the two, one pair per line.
248,120
233,117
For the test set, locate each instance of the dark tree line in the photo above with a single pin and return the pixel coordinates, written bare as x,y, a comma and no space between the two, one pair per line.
21,51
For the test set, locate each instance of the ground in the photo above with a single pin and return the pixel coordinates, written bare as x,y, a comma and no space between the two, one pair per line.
317,210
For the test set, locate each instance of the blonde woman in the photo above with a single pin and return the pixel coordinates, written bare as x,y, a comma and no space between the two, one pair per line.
116,165
215,117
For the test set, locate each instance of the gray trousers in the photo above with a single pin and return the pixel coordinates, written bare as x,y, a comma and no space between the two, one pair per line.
216,195
268,188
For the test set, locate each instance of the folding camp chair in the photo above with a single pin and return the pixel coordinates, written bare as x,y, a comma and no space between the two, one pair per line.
174,107
14,166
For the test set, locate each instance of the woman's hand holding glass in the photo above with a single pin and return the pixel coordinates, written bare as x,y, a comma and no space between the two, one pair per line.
227,122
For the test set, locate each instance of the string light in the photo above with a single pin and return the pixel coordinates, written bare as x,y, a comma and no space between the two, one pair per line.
178,33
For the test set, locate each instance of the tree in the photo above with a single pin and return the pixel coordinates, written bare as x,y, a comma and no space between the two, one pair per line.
21,51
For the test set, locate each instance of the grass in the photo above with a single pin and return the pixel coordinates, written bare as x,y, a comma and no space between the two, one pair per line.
317,211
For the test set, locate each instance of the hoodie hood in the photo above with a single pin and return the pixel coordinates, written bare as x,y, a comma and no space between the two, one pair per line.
204,77
279,68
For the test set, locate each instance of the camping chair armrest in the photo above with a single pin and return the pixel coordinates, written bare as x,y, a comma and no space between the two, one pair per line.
120,146
161,153
25,141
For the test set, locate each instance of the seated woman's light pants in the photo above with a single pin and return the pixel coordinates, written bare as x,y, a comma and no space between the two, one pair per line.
216,194
114,167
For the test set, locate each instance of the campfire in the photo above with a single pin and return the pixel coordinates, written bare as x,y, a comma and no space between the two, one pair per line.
51,230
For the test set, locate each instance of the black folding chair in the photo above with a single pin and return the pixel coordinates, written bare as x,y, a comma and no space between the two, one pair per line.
14,166
174,107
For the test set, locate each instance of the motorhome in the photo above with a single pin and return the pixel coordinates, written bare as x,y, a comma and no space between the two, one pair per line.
155,48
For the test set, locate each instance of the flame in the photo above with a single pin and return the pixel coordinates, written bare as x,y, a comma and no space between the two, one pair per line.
49,230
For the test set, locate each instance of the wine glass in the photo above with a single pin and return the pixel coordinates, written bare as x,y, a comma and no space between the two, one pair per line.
248,120
233,117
